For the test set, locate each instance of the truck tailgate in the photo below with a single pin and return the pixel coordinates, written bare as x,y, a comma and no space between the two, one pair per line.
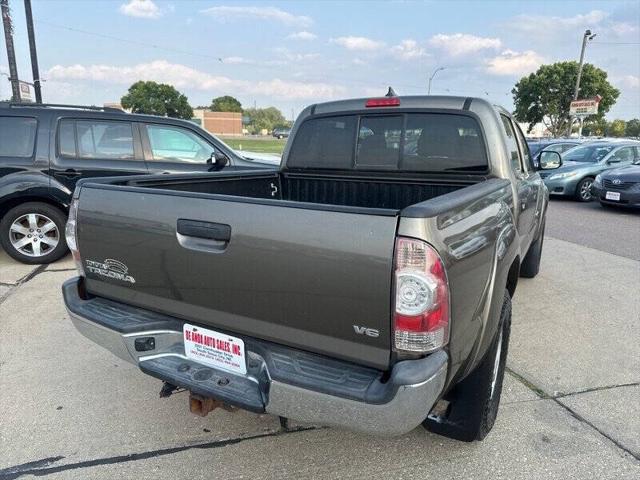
297,276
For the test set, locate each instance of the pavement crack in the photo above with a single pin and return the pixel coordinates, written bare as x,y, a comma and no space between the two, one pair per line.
41,468
597,389
557,399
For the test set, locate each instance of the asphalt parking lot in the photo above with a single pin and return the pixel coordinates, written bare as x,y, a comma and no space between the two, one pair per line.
570,407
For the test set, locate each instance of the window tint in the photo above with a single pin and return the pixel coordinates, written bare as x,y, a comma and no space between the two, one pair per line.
623,155
324,143
379,141
178,145
409,142
435,142
512,144
524,148
17,136
587,154
67,138
111,140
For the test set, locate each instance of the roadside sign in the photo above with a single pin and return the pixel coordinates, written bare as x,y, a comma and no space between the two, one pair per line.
584,107
25,92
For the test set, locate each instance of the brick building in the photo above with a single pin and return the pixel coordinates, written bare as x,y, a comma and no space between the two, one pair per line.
219,123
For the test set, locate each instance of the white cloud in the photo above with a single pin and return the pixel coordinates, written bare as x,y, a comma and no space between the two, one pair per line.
303,35
408,50
141,9
227,12
358,43
183,77
623,28
237,60
546,24
514,63
630,81
463,43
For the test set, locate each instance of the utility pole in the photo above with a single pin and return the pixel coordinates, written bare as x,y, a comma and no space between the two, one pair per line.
11,54
32,50
431,78
588,36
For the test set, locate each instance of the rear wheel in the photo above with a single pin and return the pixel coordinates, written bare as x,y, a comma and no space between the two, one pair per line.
583,190
34,233
475,400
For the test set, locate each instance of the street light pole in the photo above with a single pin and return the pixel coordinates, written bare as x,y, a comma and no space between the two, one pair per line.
431,78
588,36
11,54
32,50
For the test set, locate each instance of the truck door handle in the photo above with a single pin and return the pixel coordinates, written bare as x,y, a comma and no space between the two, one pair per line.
219,232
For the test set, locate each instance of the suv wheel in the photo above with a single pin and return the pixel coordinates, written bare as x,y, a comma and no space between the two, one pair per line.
583,190
474,401
34,233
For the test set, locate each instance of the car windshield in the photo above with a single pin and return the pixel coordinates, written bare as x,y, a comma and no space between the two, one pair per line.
587,153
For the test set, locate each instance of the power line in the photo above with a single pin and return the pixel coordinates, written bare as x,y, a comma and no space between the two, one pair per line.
615,43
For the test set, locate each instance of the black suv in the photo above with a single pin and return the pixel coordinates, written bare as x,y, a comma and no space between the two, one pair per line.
45,149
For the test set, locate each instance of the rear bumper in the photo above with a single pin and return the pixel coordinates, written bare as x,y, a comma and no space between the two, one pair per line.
279,380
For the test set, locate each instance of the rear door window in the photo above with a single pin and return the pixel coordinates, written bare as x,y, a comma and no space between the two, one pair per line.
106,140
512,144
17,136
66,138
424,142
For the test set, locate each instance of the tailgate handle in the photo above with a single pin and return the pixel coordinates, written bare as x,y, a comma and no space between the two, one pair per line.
209,230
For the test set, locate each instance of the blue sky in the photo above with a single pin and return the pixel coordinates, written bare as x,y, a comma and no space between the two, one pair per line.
291,54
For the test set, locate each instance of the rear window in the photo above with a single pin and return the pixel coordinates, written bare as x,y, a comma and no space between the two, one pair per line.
420,142
17,136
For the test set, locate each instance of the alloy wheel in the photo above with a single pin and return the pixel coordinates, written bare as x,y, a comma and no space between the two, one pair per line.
34,235
585,189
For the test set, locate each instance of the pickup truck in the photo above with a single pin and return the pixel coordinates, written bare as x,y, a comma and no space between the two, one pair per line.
366,284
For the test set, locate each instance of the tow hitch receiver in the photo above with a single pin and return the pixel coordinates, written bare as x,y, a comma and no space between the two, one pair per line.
201,406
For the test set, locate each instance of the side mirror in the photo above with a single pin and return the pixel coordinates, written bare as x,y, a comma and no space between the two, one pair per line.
549,160
611,161
217,161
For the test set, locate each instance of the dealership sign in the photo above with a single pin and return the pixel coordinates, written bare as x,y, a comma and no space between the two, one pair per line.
584,107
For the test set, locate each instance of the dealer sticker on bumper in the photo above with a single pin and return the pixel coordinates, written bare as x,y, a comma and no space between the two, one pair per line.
612,196
214,349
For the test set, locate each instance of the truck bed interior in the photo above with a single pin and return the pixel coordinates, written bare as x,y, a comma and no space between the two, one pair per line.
356,191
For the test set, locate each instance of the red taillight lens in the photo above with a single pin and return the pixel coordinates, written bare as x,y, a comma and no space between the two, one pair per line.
421,310
383,102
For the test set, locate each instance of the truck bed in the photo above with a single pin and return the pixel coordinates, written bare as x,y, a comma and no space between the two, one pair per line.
354,191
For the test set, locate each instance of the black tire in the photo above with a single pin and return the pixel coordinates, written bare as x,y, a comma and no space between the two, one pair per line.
9,238
475,400
583,190
531,264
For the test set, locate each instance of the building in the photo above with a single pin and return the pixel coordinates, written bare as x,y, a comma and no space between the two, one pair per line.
219,123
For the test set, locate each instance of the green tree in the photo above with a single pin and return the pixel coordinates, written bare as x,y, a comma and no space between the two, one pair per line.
596,127
616,128
264,119
226,104
157,99
632,128
544,96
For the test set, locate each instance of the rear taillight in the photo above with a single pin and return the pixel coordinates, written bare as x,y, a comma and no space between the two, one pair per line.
71,234
421,310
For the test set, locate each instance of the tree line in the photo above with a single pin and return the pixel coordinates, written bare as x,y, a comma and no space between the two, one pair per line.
541,97
161,99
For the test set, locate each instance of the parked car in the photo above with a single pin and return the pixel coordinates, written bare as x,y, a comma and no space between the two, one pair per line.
281,132
581,164
618,187
361,285
46,149
559,145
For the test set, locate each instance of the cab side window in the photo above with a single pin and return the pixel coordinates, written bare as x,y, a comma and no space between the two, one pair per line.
512,144
105,139
527,161
175,144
